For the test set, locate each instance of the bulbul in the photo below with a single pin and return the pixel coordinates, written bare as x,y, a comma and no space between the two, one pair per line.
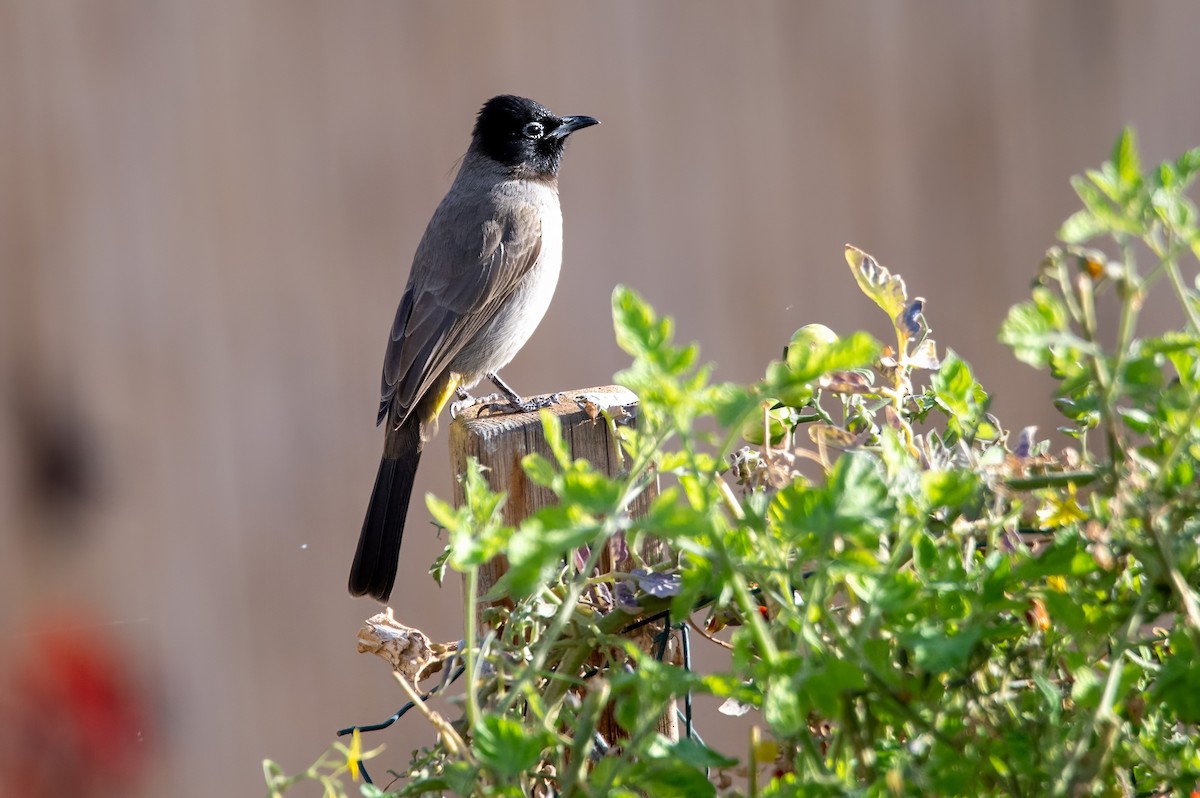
481,280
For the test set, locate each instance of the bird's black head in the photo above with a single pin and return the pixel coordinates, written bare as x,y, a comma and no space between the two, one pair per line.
523,135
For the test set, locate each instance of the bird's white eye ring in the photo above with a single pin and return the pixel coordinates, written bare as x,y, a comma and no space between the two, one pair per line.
534,130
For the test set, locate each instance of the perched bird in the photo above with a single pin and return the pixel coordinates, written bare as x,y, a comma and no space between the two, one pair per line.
481,280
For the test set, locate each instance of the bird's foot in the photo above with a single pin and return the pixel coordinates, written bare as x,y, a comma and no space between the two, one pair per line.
466,402
515,404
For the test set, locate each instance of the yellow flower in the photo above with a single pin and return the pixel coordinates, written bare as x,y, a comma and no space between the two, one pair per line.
354,754
1059,510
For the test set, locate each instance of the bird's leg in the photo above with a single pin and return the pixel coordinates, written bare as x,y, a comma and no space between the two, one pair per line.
466,401
515,403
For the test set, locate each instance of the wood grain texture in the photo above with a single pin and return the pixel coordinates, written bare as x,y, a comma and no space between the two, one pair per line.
500,440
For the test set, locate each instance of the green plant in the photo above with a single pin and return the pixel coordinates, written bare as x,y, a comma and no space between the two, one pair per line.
918,601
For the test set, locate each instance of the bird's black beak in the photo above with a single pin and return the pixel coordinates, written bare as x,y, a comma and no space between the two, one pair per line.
572,123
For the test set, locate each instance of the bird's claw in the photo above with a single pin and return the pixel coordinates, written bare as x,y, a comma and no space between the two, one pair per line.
467,402
518,405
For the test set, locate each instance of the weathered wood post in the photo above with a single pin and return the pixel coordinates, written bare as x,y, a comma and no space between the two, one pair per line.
499,442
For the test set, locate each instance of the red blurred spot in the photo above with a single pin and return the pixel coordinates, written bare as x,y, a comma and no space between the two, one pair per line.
71,719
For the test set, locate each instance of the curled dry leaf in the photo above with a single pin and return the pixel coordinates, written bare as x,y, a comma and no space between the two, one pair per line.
406,649
909,319
659,585
925,356
832,436
734,708
884,288
1025,443
845,382
597,403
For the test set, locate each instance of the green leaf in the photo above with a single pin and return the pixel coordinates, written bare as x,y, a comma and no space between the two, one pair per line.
1187,166
553,432
731,402
642,334
459,777
505,746
925,554
783,708
1080,227
1142,376
1087,687
539,470
589,490
955,387
937,650
1125,158
1031,328
444,514
537,550
691,752
1174,210
1178,683
481,501
1065,556
440,784
814,359
855,501
951,489
831,681
996,580
859,491
272,772
638,329
668,778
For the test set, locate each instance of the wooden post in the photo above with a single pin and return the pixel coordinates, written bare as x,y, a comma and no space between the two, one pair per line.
499,441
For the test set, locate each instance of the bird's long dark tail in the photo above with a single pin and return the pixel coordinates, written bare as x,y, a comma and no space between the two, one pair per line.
375,561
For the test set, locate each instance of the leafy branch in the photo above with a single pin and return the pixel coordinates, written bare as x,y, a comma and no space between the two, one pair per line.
914,598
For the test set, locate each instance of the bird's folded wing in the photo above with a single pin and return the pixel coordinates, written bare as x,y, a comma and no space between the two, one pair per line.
458,285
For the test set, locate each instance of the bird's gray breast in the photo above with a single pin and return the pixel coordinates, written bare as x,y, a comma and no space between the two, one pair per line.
516,318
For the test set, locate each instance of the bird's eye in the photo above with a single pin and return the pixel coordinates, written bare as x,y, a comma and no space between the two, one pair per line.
534,130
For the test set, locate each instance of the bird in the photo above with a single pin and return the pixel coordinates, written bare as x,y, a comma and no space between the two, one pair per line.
481,280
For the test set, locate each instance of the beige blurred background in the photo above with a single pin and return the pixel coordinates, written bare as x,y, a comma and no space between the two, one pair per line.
207,211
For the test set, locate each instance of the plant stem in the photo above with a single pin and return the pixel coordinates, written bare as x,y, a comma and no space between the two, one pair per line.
1105,379
758,626
469,638
454,742
1181,292
1056,480
1170,261
1104,712
1179,586
1177,445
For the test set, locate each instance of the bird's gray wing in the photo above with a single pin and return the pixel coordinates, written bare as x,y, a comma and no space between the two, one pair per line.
462,274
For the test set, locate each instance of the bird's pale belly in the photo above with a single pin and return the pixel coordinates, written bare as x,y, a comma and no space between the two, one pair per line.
498,342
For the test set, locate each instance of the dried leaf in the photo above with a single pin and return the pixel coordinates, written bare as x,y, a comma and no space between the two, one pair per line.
845,382
831,436
884,288
734,708
925,356
1025,443
625,598
659,585
909,320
